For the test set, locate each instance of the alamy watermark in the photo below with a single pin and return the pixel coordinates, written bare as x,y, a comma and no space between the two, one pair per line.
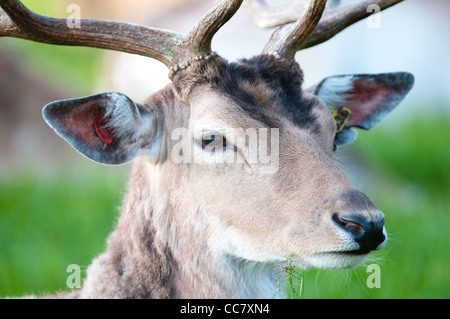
374,20
74,279
257,149
374,279
74,19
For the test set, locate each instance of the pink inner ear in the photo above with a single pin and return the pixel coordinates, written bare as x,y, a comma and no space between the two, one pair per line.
79,118
364,100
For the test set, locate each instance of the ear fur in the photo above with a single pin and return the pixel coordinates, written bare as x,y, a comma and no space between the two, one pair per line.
369,97
108,128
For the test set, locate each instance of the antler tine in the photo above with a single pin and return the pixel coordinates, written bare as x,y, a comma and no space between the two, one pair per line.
201,36
286,41
332,22
338,19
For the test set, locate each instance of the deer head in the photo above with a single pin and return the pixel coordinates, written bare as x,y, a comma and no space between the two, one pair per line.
199,178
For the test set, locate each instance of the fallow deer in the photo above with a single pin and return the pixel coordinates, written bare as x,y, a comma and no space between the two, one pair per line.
213,227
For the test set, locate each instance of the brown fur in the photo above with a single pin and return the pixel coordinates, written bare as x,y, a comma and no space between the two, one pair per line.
203,230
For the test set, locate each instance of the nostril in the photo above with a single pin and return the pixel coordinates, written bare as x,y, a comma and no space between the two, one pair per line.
367,233
348,223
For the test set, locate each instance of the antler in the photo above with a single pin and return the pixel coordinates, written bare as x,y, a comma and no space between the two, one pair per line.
171,48
287,41
338,19
332,22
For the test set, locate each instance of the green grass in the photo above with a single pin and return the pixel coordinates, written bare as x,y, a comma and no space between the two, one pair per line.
50,221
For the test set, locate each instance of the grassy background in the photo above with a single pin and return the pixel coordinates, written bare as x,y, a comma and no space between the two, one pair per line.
75,67
51,221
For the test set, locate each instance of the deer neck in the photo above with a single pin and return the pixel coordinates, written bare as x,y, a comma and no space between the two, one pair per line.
165,248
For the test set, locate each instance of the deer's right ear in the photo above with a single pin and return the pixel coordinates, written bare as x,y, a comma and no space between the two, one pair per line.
108,128
361,100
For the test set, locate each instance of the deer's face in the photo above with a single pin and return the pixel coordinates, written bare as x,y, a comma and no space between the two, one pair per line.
291,200
251,154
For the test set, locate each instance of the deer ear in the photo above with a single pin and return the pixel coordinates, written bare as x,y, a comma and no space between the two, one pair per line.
367,97
108,128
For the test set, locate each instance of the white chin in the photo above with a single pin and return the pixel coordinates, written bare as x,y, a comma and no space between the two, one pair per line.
334,260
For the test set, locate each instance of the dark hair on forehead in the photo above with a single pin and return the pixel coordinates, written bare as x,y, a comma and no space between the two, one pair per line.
277,73
283,79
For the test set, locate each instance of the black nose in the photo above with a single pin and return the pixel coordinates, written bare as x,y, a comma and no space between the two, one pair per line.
367,233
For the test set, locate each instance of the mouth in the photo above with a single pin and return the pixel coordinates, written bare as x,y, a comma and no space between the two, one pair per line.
337,260
357,252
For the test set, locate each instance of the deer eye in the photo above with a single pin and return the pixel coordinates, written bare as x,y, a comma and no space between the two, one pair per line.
212,142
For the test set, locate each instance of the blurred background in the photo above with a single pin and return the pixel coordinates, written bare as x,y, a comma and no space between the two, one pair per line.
57,207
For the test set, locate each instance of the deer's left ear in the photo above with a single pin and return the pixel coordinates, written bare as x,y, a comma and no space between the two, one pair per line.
362,100
108,128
